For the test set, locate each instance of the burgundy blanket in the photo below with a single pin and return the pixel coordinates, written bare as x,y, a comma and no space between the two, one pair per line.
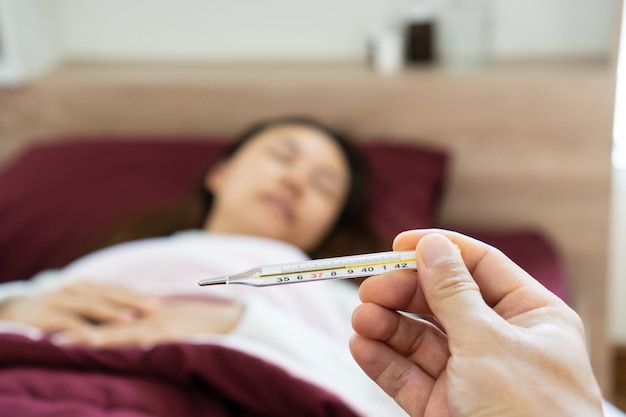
38,378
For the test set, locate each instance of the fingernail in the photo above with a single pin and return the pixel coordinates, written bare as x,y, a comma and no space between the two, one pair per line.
435,248
126,316
152,303
95,339
61,339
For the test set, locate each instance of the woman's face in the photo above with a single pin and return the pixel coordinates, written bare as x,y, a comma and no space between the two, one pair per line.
290,182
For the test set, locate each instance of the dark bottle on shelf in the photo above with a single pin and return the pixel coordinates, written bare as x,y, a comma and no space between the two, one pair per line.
420,33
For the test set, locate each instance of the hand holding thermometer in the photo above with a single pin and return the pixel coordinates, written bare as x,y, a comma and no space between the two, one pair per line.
320,269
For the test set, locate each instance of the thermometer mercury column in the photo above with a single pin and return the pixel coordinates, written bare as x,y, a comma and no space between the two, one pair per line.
320,269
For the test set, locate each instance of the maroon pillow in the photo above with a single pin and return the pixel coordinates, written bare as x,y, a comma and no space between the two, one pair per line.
57,196
531,250
407,181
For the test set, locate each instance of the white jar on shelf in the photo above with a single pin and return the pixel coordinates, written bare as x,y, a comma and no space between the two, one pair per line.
385,51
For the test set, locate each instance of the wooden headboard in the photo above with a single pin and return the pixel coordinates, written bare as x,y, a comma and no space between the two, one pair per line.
530,144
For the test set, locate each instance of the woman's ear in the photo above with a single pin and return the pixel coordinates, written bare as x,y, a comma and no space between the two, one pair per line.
214,177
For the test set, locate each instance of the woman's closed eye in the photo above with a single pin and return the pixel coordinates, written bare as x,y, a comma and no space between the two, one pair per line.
323,181
325,186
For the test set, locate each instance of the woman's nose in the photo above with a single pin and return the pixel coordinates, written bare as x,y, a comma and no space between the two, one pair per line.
294,180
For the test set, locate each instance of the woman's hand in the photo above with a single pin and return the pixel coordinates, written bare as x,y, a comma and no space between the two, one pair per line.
175,320
79,307
510,347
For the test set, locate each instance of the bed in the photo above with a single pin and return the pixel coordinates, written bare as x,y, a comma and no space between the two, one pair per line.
56,195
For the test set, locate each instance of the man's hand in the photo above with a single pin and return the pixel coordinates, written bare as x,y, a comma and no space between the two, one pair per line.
508,347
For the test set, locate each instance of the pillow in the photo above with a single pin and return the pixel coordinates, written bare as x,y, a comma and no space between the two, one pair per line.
56,196
531,250
407,182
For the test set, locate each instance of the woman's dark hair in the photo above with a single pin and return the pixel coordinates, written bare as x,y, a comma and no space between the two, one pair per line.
351,233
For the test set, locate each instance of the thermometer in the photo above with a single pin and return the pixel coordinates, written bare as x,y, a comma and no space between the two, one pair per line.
320,269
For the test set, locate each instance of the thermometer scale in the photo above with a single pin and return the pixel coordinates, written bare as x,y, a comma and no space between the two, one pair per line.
356,266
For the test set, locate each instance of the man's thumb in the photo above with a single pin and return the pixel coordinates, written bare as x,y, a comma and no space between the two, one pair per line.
450,291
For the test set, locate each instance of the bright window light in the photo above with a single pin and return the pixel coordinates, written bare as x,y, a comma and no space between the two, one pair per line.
618,156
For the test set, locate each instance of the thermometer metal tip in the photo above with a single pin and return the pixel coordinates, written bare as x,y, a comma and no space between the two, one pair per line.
213,281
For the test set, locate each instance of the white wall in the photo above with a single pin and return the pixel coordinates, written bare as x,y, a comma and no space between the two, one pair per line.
217,29
37,33
554,27
29,43
306,30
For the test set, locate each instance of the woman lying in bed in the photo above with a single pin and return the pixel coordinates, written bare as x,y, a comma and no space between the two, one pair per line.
286,189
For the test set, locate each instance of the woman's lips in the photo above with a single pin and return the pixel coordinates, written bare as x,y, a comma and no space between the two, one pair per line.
282,205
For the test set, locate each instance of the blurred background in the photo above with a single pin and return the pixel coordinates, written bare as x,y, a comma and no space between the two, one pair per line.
279,30
521,93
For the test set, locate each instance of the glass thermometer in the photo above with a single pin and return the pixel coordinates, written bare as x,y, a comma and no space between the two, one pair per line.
320,269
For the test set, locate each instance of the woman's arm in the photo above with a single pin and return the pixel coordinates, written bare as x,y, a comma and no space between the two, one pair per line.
174,320
78,306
